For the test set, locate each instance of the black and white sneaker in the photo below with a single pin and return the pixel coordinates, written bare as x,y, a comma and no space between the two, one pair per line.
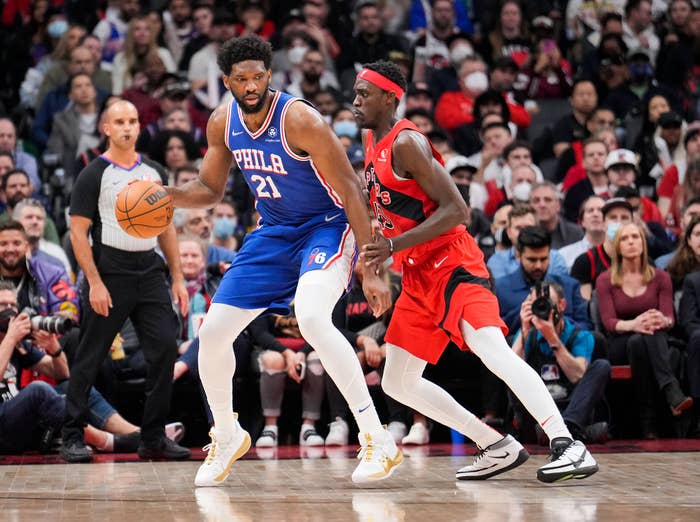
570,459
497,458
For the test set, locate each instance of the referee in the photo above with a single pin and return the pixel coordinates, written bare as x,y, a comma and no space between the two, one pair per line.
125,277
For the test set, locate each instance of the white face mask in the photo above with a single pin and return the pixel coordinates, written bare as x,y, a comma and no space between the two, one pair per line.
477,82
521,191
296,54
459,53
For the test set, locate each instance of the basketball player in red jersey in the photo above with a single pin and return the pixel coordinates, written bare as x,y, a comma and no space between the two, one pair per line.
445,291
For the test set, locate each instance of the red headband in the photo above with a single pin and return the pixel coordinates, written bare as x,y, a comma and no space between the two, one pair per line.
381,81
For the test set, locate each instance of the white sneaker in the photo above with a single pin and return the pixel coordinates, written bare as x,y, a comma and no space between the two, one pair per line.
338,433
268,438
398,430
378,455
570,459
497,458
221,456
418,435
309,436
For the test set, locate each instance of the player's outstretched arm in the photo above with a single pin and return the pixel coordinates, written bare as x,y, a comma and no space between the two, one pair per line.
413,158
208,189
306,131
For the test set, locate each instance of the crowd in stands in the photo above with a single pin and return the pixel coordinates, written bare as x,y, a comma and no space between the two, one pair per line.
572,129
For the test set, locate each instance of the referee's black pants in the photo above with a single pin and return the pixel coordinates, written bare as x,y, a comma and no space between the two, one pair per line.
136,282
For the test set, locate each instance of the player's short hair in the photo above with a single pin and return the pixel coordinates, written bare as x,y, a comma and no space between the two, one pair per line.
389,70
237,50
534,237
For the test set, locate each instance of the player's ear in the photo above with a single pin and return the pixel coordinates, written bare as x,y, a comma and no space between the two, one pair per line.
224,78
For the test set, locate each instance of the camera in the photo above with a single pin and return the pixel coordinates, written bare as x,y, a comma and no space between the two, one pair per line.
542,306
55,324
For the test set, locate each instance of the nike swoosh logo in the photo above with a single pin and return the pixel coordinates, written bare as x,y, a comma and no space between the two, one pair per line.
363,409
331,218
500,456
236,133
438,263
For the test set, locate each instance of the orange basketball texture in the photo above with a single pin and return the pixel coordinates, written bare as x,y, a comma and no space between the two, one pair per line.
144,209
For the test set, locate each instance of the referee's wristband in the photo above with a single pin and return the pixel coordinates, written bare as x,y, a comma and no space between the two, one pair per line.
57,353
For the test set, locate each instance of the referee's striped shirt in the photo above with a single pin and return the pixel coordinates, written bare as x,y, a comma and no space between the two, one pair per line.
94,196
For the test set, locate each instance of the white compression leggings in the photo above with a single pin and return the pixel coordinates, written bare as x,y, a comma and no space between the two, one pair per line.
403,380
317,294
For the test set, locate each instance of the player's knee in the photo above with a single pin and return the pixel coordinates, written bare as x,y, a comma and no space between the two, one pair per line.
272,362
391,385
312,324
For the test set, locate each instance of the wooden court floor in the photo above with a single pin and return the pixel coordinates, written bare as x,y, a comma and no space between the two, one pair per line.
629,487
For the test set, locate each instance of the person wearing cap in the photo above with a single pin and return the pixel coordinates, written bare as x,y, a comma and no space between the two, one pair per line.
658,242
622,171
675,173
638,28
596,260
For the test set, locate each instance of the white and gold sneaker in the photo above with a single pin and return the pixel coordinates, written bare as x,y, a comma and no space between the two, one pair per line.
378,455
222,453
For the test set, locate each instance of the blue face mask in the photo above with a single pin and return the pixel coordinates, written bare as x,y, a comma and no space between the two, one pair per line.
57,28
612,230
224,227
345,128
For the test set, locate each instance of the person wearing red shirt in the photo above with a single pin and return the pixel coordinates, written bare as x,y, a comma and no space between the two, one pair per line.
445,292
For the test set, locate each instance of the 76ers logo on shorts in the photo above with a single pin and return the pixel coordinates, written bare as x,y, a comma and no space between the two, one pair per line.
316,257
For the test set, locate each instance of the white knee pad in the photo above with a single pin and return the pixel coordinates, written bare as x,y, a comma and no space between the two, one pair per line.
317,293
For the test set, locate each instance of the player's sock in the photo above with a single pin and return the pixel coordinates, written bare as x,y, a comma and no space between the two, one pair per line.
217,362
317,294
491,347
403,380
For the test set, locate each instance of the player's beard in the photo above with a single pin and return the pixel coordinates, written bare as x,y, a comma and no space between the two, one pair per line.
255,108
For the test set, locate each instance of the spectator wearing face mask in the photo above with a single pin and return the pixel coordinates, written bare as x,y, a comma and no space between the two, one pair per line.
345,127
226,230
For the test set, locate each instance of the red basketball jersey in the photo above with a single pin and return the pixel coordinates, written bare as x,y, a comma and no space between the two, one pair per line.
400,204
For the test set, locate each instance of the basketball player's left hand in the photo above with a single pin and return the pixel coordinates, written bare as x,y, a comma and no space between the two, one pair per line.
181,298
377,292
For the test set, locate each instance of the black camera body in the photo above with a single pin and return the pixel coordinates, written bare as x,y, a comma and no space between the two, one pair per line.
543,305
55,324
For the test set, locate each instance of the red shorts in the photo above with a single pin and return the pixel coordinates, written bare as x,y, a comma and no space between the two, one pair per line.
447,284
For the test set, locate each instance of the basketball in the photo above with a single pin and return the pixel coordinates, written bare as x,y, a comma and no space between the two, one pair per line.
144,209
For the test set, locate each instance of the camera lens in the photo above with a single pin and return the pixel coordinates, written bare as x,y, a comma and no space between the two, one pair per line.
54,324
542,307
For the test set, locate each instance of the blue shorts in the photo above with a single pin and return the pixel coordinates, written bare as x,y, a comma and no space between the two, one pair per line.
268,266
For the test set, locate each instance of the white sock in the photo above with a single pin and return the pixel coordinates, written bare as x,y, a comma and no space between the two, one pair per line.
217,362
317,293
403,380
491,347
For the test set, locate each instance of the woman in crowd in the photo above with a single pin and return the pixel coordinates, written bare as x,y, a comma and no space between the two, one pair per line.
174,149
140,41
687,258
636,308
510,37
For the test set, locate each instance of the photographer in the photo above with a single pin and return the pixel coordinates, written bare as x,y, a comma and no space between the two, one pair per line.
28,416
533,255
561,353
